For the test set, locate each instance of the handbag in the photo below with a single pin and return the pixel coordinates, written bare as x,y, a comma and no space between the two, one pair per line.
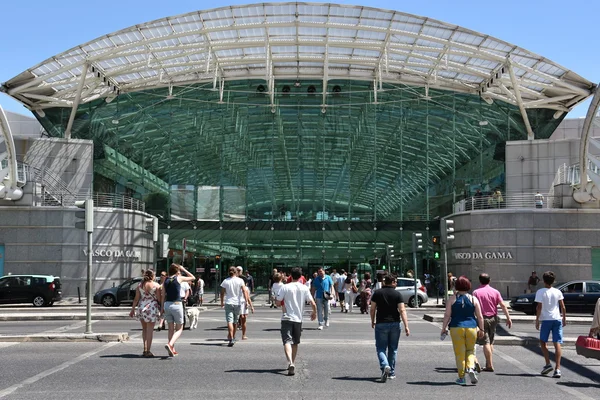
354,288
327,295
588,347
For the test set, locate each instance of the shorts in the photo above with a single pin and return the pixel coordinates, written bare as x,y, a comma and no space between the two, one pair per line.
489,329
232,313
174,312
290,332
553,326
244,308
341,296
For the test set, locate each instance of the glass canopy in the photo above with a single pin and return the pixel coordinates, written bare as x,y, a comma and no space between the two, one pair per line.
297,131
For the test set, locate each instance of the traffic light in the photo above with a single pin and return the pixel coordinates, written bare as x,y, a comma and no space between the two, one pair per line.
417,241
217,261
436,255
447,230
86,217
383,267
435,240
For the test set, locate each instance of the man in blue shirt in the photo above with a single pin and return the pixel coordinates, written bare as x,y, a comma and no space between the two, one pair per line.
322,290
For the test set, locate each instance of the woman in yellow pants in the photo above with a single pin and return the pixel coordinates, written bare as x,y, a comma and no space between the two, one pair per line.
463,315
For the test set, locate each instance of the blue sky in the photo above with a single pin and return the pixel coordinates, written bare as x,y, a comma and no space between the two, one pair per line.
563,32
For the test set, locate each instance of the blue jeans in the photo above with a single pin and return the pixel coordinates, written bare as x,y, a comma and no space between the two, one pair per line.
322,310
387,336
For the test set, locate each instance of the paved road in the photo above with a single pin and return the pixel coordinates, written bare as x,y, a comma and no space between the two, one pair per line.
336,363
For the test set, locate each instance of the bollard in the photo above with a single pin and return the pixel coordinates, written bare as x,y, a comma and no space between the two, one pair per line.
79,294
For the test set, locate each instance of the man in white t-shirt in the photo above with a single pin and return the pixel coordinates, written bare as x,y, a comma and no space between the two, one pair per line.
294,295
200,291
550,305
339,287
232,291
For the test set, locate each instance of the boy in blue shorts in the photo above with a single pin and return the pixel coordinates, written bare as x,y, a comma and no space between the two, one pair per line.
550,305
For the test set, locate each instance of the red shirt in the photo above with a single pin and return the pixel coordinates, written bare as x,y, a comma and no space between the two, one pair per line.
489,298
302,280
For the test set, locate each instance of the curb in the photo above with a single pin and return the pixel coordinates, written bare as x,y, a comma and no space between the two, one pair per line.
62,317
92,337
515,319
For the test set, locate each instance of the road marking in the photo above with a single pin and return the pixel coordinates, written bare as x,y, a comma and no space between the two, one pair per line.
76,325
8,391
573,392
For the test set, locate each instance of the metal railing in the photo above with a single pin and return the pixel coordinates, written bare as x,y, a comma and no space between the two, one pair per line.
109,200
513,200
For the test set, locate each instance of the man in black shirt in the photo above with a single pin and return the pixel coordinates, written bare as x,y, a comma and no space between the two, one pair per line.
387,304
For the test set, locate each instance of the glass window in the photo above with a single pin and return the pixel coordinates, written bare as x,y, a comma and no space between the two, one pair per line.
574,288
592,287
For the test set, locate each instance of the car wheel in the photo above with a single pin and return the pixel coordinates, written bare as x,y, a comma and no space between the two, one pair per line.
411,302
108,300
38,301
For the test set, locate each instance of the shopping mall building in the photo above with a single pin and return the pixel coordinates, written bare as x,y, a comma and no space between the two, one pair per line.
276,135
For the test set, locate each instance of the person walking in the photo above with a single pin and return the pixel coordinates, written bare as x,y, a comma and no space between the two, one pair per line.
539,200
387,307
245,306
322,292
171,304
277,284
550,306
232,291
270,287
200,291
463,316
489,300
532,282
350,293
161,321
294,295
148,309
341,290
365,293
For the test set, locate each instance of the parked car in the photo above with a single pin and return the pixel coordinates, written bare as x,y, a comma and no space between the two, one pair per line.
406,286
114,296
40,290
580,296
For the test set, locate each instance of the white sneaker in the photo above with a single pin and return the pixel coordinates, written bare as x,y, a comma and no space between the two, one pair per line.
473,376
320,327
327,324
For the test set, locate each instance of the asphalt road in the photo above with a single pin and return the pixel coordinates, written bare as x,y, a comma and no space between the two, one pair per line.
336,363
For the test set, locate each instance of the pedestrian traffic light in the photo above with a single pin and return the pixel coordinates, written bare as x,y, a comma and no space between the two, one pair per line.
436,255
447,230
217,261
417,241
435,240
85,219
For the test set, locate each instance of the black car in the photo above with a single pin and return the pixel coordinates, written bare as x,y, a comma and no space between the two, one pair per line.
40,290
580,296
124,293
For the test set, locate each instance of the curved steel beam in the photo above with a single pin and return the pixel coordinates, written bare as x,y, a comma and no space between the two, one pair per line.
8,178
581,196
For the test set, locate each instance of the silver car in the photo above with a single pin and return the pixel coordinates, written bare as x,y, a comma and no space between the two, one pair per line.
407,287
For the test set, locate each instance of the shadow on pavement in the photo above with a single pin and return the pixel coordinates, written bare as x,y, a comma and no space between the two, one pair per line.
579,384
521,375
443,370
224,344
122,356
354,378
429,383
277,371
567,363
219,328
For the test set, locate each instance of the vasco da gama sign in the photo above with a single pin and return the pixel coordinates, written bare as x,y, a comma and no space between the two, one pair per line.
480,255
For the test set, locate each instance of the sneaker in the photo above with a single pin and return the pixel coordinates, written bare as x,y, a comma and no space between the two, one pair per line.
320,327
557,374
231,343
385,374
477,367
546,370
291,369
461,382
392,376
473,376
327,324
